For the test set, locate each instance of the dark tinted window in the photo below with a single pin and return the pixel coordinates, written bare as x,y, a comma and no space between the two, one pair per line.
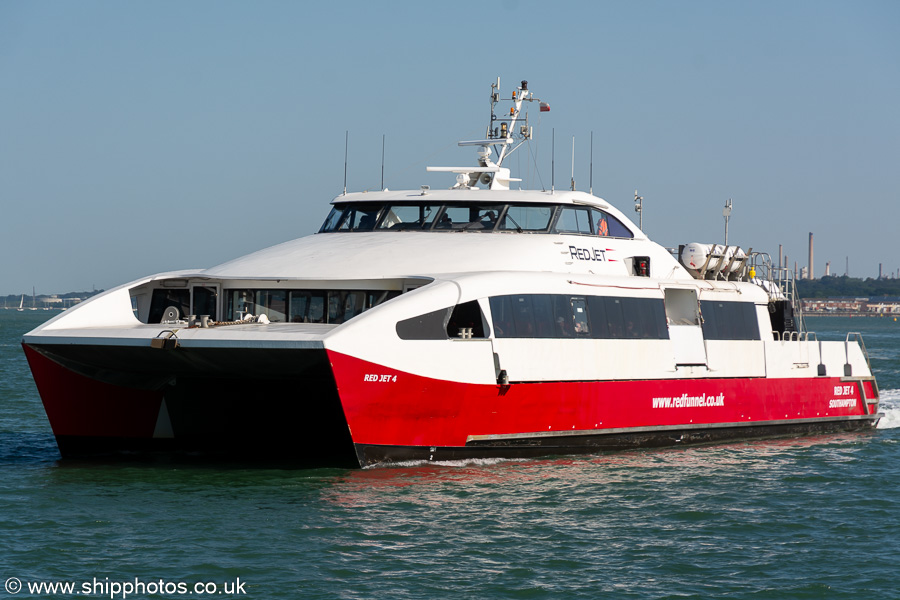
617,229
467,315
645,318
544,319
729,320
606,225
580,316
430,326
615,316
559,316
444,323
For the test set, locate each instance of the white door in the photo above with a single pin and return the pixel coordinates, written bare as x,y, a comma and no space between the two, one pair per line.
685,331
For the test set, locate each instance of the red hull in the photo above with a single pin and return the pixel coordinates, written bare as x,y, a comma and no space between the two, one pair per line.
393,415
392,408
288,414
80,406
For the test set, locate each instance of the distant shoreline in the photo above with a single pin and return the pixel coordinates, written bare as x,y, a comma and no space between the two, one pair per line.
855,315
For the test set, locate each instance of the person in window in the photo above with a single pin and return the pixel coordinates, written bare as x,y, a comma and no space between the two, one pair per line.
630,330
564,328
445,222
602,227
367,222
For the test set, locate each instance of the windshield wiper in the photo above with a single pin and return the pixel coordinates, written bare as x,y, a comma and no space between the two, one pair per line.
518,228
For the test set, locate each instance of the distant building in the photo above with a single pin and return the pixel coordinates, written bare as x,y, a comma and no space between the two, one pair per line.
833,305
853,306
884,306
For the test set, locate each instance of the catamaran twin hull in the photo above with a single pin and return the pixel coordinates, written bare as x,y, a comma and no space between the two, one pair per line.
462,323
316,406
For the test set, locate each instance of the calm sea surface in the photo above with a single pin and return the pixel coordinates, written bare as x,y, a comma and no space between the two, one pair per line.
804,518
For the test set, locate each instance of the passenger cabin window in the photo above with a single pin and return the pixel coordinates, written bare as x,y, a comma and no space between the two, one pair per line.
461,321
308,306
729,320
559,316
428,326
579,316
303,306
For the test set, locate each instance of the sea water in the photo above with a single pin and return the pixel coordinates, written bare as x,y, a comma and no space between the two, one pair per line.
815,517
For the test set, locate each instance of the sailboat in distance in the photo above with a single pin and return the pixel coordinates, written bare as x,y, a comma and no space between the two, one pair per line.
21,302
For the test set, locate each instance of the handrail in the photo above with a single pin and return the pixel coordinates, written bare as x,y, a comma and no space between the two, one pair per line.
795,336
862,345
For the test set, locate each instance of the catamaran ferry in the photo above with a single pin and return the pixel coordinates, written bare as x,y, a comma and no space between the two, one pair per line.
475,321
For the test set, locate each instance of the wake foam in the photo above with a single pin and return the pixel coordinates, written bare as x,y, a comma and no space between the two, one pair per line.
890,406
463,462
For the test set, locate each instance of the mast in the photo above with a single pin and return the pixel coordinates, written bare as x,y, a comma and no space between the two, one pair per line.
502,139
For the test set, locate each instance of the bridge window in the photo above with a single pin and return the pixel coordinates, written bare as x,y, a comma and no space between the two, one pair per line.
526,218
574,220
449,216
409,217
469,217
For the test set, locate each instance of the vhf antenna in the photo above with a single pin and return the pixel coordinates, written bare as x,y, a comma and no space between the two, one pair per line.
346,143
573,163
382,162
553,161
591,189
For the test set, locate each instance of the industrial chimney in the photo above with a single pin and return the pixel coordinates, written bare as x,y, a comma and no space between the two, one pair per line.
810,255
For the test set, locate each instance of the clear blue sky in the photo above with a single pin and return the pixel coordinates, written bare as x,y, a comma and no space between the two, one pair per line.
139,137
